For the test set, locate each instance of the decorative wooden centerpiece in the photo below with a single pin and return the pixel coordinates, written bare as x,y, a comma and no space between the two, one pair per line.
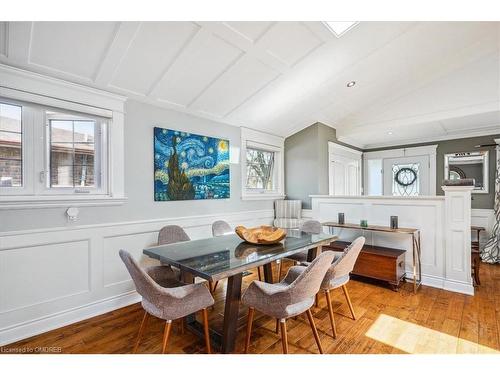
263,235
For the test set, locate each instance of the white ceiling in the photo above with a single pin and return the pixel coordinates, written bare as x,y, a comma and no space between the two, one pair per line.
418,80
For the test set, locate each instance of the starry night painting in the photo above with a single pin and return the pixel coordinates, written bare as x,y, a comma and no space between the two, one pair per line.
190,166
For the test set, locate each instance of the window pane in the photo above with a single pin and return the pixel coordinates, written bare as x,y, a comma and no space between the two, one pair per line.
10,145
61,131
84,131
61,153
72,152
61,175
260,165
10,173
11,165
10,117
84,175
405,180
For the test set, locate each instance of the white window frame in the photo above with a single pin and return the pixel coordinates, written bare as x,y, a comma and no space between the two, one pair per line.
266,142
33,90
100,158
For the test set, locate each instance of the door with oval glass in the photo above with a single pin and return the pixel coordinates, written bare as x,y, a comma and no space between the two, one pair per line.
406,176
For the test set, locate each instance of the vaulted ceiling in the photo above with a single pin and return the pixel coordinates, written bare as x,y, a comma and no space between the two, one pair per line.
415,81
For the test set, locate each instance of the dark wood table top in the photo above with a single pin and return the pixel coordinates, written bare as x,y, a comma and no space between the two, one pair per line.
375,228
220,257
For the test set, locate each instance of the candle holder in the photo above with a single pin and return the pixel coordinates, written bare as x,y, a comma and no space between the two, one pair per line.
394,222
341,218
363,223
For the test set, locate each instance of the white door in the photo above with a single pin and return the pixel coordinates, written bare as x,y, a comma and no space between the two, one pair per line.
406,176
345,176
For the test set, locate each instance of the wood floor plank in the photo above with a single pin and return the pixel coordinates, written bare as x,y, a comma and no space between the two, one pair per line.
431,321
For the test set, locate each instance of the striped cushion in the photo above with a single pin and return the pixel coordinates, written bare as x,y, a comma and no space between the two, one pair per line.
287,223
287,209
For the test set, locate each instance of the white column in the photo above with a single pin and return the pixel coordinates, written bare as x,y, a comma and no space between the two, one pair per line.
458,239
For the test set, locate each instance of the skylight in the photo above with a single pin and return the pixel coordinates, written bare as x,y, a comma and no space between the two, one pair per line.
339,28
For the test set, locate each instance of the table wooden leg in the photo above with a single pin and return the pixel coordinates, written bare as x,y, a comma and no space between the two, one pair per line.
268,273
313,253
231,309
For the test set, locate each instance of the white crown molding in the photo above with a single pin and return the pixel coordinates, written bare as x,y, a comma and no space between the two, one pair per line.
29,82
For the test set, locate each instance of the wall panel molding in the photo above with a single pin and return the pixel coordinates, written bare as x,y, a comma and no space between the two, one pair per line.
79,271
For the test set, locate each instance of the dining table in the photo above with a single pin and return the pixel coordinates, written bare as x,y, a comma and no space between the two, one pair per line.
229,257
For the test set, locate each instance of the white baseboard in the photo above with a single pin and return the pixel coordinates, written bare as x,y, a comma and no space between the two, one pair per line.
452,286
64,318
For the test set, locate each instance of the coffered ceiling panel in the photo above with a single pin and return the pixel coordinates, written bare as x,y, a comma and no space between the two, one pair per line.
71,47
289,41
201,62
154,48
244,79
250,30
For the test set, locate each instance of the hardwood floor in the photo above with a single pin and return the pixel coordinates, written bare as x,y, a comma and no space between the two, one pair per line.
432,321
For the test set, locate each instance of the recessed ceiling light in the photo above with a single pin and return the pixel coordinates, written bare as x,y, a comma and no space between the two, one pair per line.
350,84
339,28
390,133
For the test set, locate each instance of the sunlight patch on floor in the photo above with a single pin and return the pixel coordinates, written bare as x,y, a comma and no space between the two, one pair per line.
414,339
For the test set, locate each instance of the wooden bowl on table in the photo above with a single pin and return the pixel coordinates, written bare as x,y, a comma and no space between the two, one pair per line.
263,235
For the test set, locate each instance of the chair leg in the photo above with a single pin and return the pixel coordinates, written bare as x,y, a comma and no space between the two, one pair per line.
141,331
315,331
166,334
284,339
277,330
344,288
330,313
215,286
316,300
206,330
249,328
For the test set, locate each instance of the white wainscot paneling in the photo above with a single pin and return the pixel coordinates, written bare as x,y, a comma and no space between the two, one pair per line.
25,280
54,277
483,218
426,214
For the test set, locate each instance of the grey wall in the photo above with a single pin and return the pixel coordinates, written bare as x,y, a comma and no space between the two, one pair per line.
139,122
462,145
306,162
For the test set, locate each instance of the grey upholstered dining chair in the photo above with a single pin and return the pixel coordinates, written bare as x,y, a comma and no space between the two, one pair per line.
165,297
172,234
221,228
288,298
338,276
309,226
287,213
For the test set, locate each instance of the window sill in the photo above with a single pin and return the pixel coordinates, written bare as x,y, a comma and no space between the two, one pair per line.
27,202
262,197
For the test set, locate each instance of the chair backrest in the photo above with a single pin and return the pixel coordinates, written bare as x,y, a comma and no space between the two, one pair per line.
220,228
144,284
308,283
172,234
345,264
311,226
287,209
